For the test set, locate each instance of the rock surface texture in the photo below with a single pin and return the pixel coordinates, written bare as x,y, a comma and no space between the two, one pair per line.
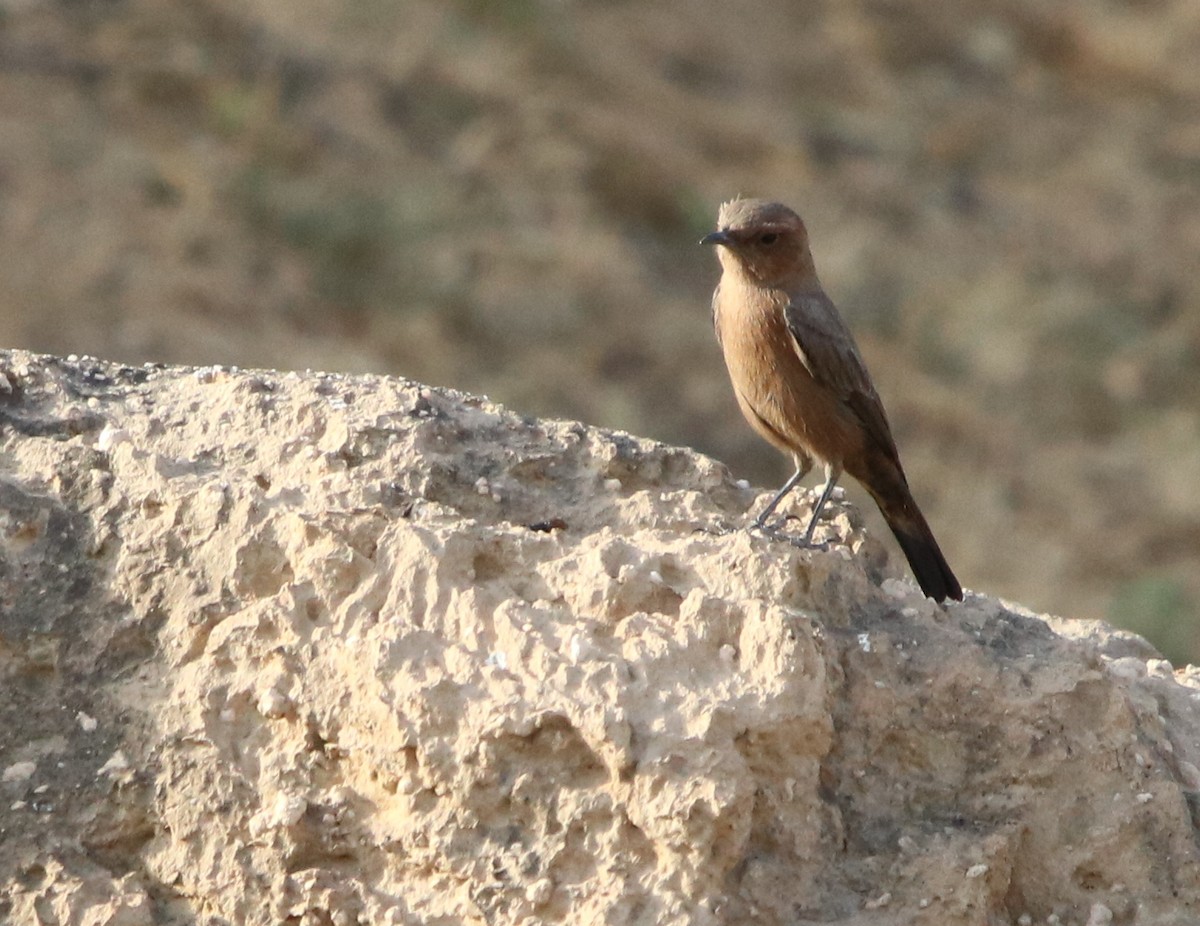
315,649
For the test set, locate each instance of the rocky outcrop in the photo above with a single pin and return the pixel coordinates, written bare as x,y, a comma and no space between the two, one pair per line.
305,648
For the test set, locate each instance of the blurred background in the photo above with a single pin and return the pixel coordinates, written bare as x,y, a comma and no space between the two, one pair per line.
504,196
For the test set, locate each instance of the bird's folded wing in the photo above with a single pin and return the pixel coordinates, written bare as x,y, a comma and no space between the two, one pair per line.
827,349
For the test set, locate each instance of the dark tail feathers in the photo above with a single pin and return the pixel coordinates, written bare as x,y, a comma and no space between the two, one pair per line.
922,551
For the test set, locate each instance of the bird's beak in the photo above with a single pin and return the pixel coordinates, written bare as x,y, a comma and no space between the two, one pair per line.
717,237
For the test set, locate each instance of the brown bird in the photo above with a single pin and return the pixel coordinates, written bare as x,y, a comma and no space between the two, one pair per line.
800,380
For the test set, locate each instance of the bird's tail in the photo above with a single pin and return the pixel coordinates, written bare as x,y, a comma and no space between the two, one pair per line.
924,555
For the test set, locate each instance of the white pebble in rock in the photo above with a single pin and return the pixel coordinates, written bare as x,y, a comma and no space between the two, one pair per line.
273,703
1100,915
19,771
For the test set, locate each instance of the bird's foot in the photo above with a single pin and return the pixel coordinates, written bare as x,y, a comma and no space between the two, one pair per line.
767,530
807,543
775,531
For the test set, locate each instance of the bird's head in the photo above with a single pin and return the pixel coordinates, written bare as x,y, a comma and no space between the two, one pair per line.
766,241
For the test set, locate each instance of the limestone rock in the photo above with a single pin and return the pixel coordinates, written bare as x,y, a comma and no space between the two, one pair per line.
313,649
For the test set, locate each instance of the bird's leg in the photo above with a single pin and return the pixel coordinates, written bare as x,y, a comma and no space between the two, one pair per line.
803,465
831,478
761,521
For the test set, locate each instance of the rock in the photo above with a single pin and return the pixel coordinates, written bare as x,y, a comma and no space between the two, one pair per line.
346,684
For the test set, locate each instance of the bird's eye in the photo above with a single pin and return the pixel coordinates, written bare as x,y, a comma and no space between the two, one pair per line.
769,238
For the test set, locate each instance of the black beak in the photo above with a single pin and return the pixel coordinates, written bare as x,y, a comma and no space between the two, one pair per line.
717,237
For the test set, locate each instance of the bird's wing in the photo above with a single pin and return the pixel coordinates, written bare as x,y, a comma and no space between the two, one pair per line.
827,349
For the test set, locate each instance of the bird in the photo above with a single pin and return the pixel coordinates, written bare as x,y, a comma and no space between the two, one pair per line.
800,380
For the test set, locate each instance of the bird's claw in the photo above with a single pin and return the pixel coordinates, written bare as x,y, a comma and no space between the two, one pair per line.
775,532
767,530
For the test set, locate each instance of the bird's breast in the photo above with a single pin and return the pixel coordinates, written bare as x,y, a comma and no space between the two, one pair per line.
775,390
754,337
